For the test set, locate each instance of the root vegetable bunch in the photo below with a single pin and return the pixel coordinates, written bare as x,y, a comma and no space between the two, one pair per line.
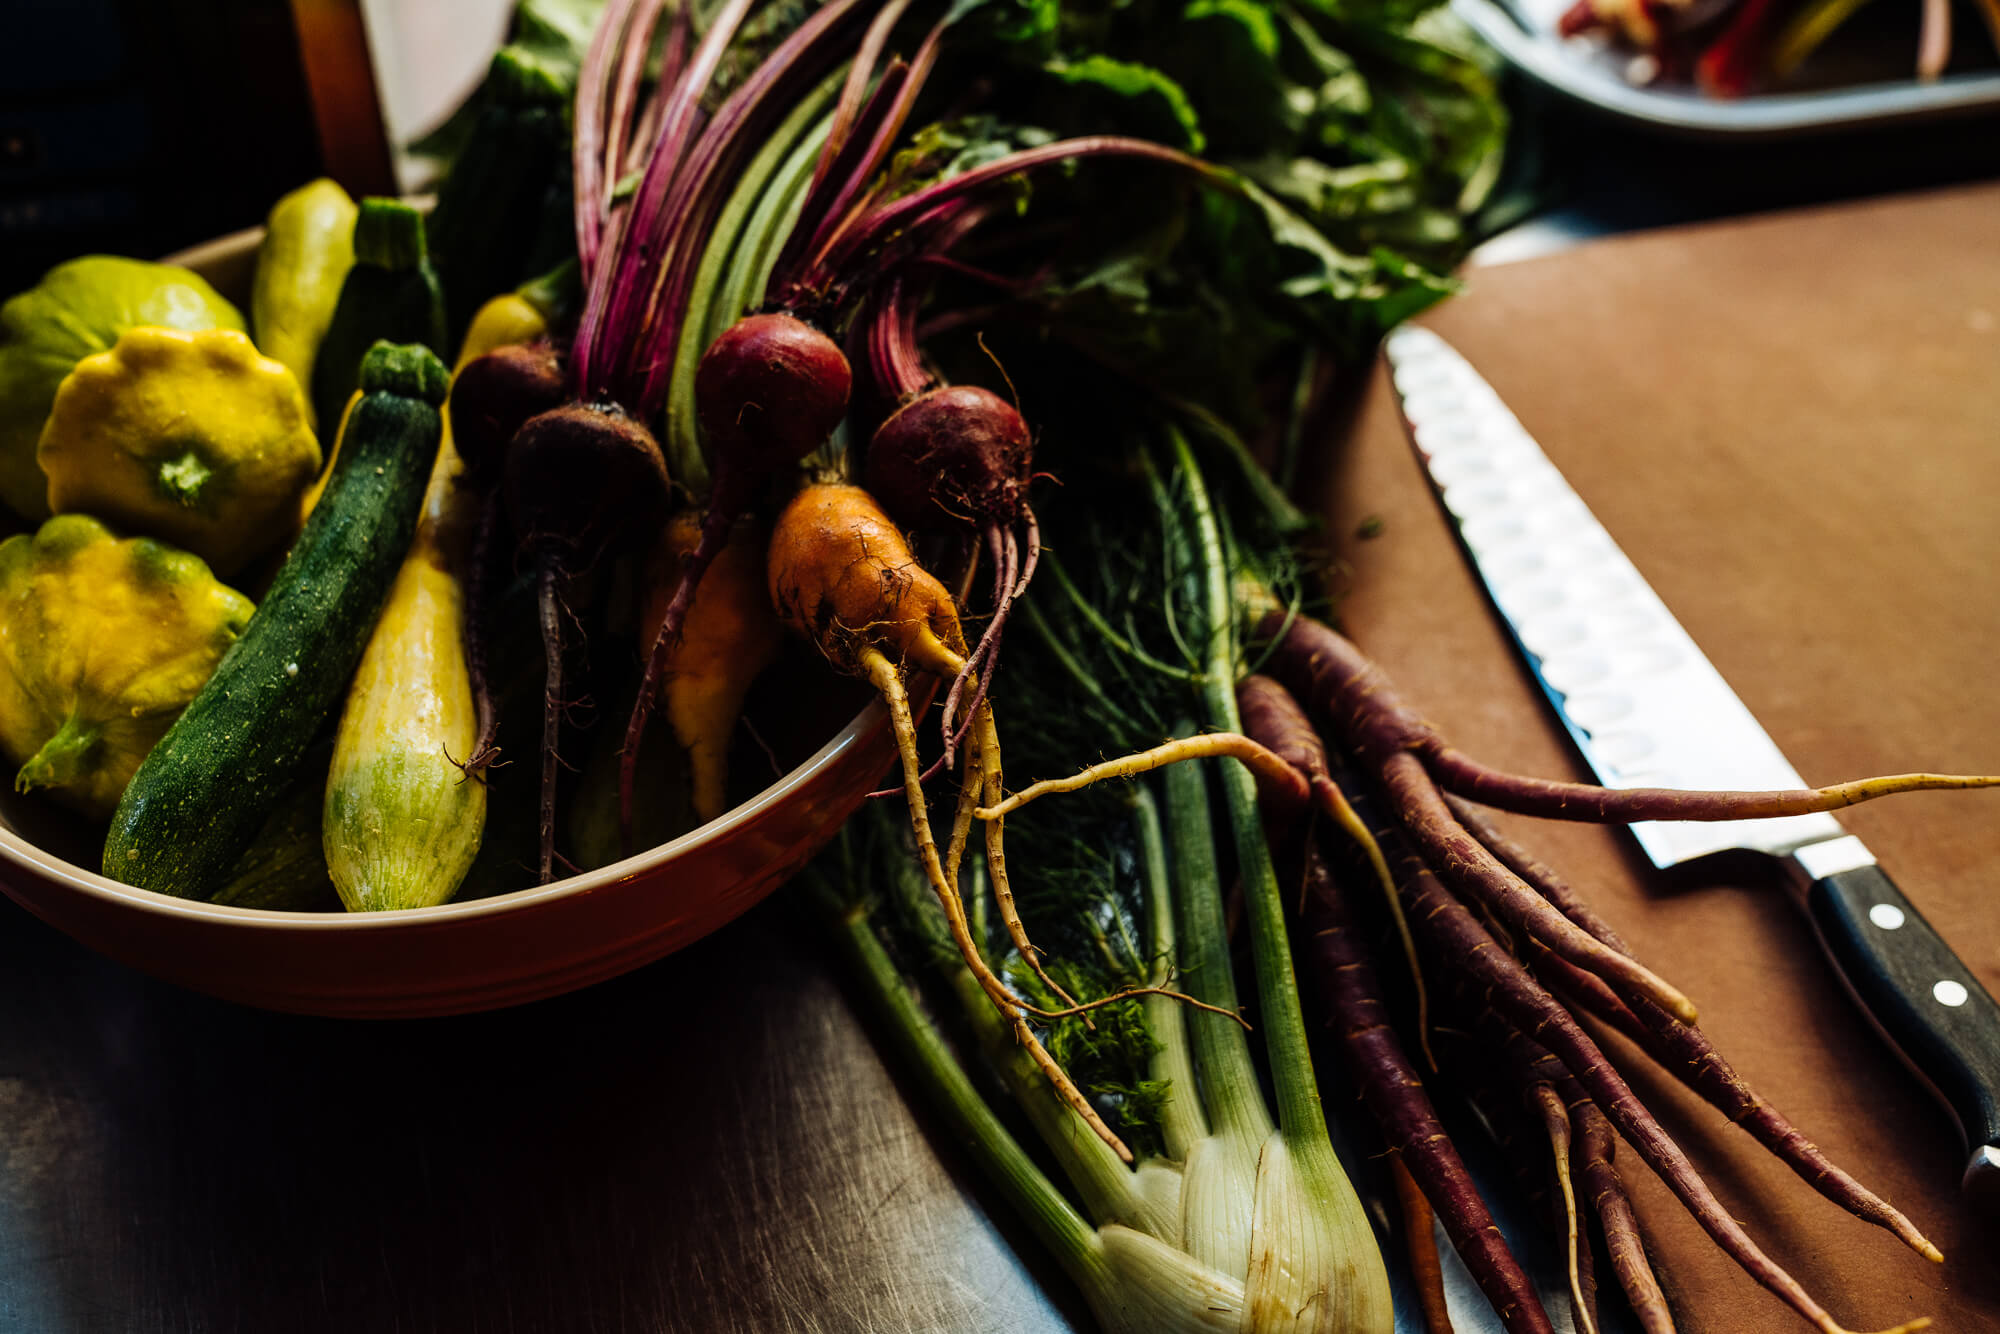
1518,954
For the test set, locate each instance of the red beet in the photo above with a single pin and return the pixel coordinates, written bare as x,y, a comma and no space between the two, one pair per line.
769,391
580,481
955,458
491,396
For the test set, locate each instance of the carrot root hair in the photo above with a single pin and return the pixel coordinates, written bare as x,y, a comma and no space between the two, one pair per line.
1260,759
888,681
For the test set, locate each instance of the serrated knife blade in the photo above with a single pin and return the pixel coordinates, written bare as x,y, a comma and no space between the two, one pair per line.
1646,708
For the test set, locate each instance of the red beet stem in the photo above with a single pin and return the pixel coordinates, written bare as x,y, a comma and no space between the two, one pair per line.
894,353
854,92
699,190
590,193
894,361
652,116
914,211
845,204
1353,1007
851,153
614,312
626,251
623,134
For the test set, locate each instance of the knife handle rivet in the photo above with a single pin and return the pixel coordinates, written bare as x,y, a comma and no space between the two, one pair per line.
1949,992
1888,916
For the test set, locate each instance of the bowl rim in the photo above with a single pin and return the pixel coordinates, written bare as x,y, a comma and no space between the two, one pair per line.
17,850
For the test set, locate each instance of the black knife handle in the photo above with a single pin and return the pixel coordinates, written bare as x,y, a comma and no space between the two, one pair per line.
1923,998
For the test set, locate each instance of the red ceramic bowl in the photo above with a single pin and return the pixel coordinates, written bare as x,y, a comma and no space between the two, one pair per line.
457,957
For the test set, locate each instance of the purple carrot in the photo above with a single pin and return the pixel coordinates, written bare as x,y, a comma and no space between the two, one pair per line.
1343,690
1538,1076
1273,717
1472,870
1331,675
1583,991
1553,800
1687,1052
1454,932
1351,998
1596,1148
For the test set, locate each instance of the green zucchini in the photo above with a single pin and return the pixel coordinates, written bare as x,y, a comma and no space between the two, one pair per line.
391,294
203,793
283,869
492,204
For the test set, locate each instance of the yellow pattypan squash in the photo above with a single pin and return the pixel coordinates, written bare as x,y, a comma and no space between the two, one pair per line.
102,643
193,438
80,307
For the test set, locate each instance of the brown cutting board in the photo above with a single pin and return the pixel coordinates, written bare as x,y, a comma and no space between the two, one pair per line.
1792,426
